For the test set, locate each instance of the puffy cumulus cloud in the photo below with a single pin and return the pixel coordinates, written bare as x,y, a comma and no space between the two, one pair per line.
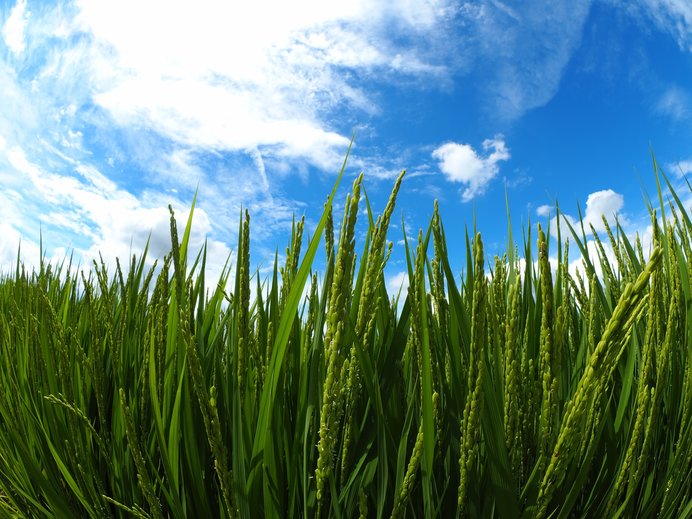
14,26
605,203
461,163
544,210
576,266
576,262
642,232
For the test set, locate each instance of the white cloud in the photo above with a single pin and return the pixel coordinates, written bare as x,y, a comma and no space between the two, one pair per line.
13,225
249,75
14,27
645,233
461,163
552,261
680,168
544,210
203,96
673,16
396,282
576,259
210,117
606,203
577,265
11,243
103,219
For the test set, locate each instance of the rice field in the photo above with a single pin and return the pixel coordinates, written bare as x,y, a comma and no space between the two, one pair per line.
511,390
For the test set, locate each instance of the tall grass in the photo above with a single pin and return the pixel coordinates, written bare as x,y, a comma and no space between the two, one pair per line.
152,392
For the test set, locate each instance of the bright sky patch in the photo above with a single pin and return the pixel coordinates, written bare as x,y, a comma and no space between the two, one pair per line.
113,110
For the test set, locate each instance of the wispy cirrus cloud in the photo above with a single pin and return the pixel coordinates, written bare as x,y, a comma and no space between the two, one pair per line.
104,220
261,75
246,101
680,168
523,49
112,107
675,102
674,17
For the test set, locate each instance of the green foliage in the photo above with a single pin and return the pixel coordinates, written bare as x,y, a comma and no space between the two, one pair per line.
521,391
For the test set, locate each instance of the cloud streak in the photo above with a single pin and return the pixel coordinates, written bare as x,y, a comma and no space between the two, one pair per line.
524,51
240,79
675,103
111,111
674,17
115,107
106,221
681,168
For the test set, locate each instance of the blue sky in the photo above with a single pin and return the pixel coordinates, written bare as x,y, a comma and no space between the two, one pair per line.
109,111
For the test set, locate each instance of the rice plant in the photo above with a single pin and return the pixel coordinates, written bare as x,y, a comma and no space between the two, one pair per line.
509,392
